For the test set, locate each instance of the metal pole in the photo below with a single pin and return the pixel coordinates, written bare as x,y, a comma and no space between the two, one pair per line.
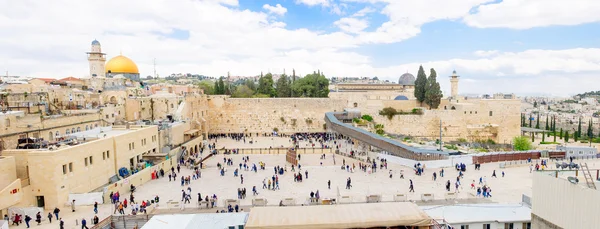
440,134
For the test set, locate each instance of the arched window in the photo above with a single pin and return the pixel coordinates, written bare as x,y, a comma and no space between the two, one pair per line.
355,104
96,124
73,130
445,108
57,133
452,108
78,129
50,136
67,131
87,127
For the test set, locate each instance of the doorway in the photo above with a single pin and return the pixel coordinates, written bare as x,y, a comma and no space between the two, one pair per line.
40,201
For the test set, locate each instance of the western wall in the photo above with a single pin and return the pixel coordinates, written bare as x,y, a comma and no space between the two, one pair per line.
288,115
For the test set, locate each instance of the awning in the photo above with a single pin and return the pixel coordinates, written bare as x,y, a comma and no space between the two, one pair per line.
366,215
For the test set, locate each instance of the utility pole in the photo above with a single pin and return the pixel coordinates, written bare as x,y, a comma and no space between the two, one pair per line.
154,68
440,134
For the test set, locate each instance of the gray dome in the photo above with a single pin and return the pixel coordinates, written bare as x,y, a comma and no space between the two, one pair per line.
407,79
401,97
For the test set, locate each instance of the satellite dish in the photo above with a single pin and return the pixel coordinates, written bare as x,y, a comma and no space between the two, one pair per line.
573,180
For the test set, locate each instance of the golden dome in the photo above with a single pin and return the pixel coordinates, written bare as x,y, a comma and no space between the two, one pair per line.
121,64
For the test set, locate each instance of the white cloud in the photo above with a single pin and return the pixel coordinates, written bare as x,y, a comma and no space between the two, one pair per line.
525,14
277,9
37,39
352,25
484,53
363,12
314,2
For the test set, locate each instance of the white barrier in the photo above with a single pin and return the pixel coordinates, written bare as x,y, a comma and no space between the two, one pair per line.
86,198
345,199
259,202
400,197
373,198
30,211
231,202
450,196
427,197
450,162
289,202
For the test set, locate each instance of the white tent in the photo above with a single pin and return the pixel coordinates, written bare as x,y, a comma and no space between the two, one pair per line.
193,221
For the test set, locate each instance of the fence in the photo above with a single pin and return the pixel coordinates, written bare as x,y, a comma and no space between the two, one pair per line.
279,151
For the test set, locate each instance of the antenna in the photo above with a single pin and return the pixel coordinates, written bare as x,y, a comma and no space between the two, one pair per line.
155,68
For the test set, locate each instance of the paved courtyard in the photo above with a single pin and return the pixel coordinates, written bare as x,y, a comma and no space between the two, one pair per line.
508,189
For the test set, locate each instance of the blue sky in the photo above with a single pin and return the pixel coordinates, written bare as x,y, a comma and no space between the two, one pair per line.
520,46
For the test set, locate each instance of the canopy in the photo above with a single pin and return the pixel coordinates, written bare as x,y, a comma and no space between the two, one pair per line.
366,215
193,221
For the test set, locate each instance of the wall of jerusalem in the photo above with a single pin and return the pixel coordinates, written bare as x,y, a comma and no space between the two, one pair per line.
498,120
252,115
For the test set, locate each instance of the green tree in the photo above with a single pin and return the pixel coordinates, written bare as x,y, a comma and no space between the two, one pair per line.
221,86
265,85
433,94
250,84
543,137
535,104
522,120
554,133
530,120
242,91
367,117
566,136
590,132
312,85
420,85
537,123
578,130
207,87
561,133
547,126
217,89
521,143
284,87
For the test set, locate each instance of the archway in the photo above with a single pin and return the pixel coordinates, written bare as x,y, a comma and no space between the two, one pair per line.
113,100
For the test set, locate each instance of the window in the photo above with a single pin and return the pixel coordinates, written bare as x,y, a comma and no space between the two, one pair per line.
470,112
107,154
580,152
129,146
78,129
526,225
91,160
486,226
106,116
509,226
171,105
65,169
113,115
464,226
7,122
67,131
490,113
71,167
72,130
87,127
465,112
22,136
103,155
86,162
133,145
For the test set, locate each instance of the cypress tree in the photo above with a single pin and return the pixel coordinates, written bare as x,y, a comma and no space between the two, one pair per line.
532,137
554,136
420,85
543,137
578,129
530,120
547,126
561,133
566,136
537,122
590,133
433,94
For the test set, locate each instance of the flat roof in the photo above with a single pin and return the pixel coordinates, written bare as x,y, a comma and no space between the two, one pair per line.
364,215
193,221
476,213
101,132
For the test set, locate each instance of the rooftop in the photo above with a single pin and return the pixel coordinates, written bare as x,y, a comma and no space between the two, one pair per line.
479,213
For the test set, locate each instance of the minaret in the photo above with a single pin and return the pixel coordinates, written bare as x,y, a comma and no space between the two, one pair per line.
97,59
454,84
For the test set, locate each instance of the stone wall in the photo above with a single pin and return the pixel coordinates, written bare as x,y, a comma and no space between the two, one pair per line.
229,115
498,120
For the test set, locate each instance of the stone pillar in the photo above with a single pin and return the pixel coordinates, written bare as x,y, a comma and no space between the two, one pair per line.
454,84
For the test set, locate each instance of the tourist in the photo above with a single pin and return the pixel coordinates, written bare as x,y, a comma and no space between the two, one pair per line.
61,224
95,220
411,188
56,211
38,218
49,217
96,207
494,173
27,219
329,184
84,224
